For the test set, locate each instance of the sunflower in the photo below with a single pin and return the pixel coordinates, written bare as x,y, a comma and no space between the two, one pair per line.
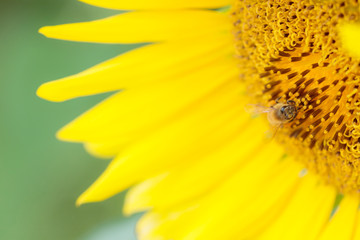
196,162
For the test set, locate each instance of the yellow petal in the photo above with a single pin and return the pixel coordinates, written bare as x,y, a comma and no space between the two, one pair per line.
151,106
141,27
247,207
244,198
234,154
157,4
166,147
341,225
307,211
140,67
350,35
106,149
356,235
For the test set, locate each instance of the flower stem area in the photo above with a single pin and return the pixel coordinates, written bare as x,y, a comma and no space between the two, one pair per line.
41,177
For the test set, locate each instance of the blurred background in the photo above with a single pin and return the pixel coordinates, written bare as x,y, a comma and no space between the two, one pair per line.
41,177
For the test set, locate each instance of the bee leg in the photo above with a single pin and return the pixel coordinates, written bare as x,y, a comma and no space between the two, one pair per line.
278,99
277,129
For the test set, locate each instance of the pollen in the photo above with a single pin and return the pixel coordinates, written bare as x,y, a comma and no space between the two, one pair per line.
291,50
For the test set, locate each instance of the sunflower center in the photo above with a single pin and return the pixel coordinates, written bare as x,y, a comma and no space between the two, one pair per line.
291,56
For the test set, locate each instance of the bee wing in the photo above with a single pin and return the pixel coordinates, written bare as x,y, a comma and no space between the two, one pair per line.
256,109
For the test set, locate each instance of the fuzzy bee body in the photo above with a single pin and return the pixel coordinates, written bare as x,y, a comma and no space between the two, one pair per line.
282,113
278,114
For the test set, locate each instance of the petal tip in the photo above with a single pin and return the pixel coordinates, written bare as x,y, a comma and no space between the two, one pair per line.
127,211
130,204
81,200
45,30
56,32
86,197
47,92
133,204
78,203
62,134
41,30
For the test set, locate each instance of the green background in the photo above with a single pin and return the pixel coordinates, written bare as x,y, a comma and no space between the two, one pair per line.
41,177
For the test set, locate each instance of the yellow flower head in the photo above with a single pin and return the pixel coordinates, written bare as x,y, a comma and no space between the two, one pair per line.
197,163
300,57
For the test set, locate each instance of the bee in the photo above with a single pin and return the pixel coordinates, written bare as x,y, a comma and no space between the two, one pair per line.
280,113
